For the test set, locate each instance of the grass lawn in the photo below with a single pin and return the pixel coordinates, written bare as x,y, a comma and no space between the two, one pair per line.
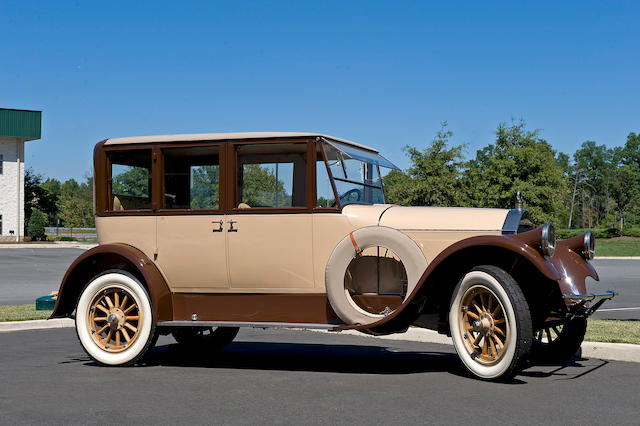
598,330
622,246
22,313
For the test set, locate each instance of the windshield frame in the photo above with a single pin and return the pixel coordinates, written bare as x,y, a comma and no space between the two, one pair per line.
333,179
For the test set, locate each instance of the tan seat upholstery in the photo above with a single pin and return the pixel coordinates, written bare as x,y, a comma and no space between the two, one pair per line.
117,205
244,206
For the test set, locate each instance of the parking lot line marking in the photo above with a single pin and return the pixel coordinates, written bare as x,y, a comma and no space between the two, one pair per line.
620,309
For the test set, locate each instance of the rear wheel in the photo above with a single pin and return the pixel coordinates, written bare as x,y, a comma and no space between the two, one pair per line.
490,323
213,338
555,344
114,319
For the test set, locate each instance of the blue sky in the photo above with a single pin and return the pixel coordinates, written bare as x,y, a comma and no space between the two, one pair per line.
381,73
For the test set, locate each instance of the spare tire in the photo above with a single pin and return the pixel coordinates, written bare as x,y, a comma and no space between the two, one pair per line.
404,247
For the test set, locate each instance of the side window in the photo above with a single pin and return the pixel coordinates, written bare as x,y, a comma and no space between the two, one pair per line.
130,183
271,175
192,178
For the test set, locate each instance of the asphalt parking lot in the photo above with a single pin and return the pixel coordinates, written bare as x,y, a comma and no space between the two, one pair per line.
28,273
298,377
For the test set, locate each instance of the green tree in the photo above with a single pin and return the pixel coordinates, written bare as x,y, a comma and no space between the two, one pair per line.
433,179
36,196
261,188
76,203
205,187
518,160
624,190
134,181
35,227
594,167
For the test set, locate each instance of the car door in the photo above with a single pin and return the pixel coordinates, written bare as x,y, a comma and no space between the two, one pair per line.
269,225
190,225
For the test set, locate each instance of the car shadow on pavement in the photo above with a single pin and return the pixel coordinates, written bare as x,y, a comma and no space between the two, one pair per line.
307,357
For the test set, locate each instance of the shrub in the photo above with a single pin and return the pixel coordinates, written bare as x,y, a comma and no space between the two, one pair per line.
563,234
67,239
37,222
632,232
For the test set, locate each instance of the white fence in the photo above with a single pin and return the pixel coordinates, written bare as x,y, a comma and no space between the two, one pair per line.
80,234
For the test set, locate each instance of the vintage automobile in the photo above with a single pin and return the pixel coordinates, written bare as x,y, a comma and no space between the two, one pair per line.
203,233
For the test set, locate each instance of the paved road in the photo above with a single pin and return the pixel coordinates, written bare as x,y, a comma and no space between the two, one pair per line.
28,273
291,377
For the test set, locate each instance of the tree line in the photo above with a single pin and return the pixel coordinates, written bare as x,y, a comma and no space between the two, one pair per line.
596,187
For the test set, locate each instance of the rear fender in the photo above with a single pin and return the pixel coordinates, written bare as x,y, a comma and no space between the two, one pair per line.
113,256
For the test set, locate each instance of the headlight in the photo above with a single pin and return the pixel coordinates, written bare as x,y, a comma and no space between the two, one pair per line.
589,250
548,243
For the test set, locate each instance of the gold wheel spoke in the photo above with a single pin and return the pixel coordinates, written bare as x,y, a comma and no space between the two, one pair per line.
116,298
477,308
102,329
125,334
133,318
130,327
117,339
472,315
99,318
477,339
124,301
129,309
496,310
106,298
500,321
485,346
494,352
499,330
498,341
108,338
483,304
102,308
490,306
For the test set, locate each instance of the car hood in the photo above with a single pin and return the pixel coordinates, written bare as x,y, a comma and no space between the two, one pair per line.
427,218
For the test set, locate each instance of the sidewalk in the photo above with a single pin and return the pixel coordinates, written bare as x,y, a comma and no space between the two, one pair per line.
609,351
56,244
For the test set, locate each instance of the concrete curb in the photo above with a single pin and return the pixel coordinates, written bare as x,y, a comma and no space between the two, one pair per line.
36,324
609,351
617,258
61,244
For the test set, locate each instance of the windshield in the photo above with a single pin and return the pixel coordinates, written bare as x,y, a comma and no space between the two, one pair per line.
356,181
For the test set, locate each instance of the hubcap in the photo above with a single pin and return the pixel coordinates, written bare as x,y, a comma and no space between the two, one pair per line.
483,325
114,319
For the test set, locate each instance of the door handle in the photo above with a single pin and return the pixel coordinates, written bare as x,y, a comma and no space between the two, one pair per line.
219,222
231,228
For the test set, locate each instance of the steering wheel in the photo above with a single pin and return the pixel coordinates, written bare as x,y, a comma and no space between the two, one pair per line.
347,194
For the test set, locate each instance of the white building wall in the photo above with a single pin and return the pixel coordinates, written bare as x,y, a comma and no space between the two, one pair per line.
12,189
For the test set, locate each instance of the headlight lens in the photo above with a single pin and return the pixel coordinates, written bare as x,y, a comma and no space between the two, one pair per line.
589,250
548,243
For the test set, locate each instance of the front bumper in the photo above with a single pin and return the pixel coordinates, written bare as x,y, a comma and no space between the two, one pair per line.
581,306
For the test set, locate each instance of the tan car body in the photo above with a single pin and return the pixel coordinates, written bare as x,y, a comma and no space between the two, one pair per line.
271,268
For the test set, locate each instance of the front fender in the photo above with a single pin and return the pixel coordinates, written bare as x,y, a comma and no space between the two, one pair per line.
109,256
525,245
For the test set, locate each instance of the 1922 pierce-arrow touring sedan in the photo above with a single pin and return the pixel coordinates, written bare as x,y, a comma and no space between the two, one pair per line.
201,234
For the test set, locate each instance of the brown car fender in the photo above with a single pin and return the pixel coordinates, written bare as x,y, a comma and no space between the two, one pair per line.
114,256
525,245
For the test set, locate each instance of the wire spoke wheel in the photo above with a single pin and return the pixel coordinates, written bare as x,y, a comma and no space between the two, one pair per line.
114,319
483,324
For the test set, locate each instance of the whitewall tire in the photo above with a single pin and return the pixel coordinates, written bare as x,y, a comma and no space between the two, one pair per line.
114,319
490,323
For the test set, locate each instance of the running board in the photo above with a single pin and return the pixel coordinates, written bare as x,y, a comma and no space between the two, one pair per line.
246,324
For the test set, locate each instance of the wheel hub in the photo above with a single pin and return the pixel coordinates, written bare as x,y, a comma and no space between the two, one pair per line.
116,319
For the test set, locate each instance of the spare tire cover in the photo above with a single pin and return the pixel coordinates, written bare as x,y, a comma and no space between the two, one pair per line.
404,247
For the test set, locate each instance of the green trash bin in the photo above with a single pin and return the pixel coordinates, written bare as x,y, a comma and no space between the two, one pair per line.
45,303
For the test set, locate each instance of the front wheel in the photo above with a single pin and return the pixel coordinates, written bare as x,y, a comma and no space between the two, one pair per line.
114,319
555,344
490,323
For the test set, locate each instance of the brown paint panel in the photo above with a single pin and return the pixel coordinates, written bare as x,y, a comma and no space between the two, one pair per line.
100,258
290,308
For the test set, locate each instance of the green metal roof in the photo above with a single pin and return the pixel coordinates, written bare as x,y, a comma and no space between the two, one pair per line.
20,123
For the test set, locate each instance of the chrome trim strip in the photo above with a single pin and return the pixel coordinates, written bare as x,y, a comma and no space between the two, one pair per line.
383,212
245,324
512,221
591,296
